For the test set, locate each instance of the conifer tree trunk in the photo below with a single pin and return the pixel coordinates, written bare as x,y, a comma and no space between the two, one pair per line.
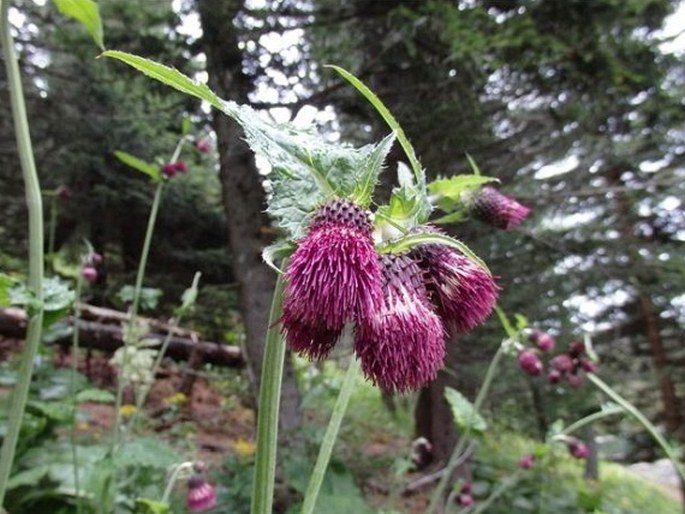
244,197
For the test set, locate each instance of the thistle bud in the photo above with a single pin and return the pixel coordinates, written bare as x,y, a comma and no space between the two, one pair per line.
201,495
496,209
89,274
527,461
203,145
578,449
562,363
530,363
542,340
169,169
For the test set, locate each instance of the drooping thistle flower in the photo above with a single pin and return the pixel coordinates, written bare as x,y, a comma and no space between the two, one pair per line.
578,449
464,293
89,274
333,278
402,344
201,494
497,209
171,168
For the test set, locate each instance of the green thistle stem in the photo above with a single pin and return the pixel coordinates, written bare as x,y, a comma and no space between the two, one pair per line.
439,492
74,406
324,457
269,404
36,250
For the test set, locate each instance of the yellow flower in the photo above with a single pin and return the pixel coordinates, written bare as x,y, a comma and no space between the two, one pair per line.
243,447
177,399
127,410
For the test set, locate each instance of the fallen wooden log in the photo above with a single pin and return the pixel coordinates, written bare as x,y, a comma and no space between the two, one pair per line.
108,337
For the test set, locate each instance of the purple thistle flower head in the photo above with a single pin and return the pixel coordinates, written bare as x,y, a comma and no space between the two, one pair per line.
554,376
530,362
527,461
463,292
333,278
203,145
169,169
402,345
181,166
588,366
465,500
497,209
575,379
201,495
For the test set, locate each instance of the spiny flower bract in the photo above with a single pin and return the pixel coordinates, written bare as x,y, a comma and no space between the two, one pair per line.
401,346
333,278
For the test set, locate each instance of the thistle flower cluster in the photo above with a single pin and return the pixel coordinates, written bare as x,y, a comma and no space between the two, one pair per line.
400,305
570,365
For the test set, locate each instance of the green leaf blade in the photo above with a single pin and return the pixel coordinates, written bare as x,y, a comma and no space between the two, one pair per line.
87,13
169,76
139,164
465,415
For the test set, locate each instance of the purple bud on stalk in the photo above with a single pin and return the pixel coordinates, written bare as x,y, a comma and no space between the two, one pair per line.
203,145
467,488
181,166
530,363
497,209
578,449
576,349
464,293
201,495
588,366
542,340
169,169
554,376
527,461
465,500
333,278
89,274
575,380
401,346
562,363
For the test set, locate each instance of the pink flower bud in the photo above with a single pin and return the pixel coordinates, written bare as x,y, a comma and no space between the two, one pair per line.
542,340
562,363
578,449
465,500
588,366
89,274
203,145
96,259
575,380
530,362
576,349
169,169
554,376
527,461
467,488
496,209
181,166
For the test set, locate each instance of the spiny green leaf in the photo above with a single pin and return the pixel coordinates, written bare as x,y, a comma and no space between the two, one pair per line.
371,169
169,76
408,205
277,250
465,415
447,192
139,164
87,13
387,116
410,241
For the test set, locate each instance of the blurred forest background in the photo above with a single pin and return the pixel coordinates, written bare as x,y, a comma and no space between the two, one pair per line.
575,105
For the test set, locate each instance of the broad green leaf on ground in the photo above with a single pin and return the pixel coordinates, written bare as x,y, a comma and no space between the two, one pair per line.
95,396
58,298
139,164
87,13
306,169
465,415
410,241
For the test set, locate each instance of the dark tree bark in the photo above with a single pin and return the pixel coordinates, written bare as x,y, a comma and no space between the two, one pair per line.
244,197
